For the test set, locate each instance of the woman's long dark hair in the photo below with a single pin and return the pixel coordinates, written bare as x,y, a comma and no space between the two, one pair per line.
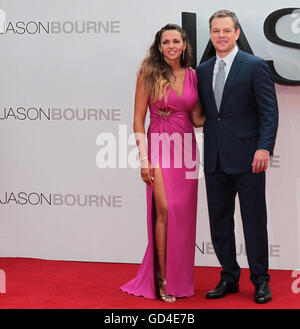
155,70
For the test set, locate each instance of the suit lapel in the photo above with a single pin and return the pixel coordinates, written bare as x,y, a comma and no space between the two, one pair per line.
210,83
235,67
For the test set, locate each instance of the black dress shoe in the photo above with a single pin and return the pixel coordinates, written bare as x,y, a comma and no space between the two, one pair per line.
222,289
263,293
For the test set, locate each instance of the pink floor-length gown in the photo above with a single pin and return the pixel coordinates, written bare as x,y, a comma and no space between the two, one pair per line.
170,121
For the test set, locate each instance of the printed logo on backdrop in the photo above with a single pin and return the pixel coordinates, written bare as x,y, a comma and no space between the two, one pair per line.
22,198
59,114
207,248
2,21
20,27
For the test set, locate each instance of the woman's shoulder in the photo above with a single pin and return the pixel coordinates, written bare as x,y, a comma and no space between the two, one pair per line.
193,73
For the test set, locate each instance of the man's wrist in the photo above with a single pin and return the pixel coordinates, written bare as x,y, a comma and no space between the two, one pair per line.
264,151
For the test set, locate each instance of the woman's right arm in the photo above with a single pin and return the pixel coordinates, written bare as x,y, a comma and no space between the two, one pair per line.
140,110
197,116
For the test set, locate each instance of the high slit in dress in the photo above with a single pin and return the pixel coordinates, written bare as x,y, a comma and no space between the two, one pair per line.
172,145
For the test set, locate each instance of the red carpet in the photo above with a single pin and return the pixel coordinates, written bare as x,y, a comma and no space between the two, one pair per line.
44,284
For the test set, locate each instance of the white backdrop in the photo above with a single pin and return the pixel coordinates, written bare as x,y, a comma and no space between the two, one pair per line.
68,71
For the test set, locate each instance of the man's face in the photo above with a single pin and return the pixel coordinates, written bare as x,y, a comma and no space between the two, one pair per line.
223,35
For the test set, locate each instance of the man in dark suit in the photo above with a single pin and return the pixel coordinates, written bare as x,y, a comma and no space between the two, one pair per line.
239,101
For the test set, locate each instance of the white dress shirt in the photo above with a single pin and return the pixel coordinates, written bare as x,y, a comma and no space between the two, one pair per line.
228,60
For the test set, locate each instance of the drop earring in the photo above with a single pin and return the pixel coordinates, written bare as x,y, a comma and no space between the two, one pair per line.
183,52
162,56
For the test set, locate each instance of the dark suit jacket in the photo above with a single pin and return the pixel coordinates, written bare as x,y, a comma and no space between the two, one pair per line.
248,117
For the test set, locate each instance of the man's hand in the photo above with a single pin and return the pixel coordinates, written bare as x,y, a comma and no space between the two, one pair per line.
260,161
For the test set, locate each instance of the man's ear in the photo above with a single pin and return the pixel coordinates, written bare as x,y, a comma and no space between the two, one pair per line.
238,31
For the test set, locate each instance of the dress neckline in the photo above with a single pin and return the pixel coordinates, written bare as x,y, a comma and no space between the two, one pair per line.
182,86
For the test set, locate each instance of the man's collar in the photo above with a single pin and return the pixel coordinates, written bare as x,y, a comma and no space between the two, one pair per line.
228,59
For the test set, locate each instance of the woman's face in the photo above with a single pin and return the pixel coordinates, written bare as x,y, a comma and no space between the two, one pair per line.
172,45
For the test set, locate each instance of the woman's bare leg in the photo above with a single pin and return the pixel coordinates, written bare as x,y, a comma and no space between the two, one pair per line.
161,226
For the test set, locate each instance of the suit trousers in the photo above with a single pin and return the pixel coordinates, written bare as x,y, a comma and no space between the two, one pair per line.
221,191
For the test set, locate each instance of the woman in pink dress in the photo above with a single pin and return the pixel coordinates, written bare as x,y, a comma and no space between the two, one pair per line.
169,167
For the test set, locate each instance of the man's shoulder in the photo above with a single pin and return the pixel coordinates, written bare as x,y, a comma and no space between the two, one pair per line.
204,65
250,58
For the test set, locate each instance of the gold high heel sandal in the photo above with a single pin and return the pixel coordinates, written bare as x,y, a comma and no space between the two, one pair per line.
163,296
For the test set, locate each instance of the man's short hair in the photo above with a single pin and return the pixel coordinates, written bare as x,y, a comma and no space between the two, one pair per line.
225,13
